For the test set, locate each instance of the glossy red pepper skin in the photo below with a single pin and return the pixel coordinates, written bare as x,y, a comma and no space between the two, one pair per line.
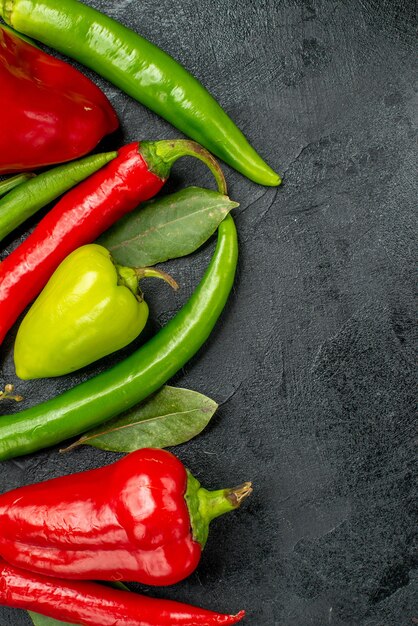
78,218
51,113
127,521
91,604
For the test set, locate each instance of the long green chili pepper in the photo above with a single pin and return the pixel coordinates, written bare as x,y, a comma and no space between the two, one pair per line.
29,197
142,70
10,183
132,380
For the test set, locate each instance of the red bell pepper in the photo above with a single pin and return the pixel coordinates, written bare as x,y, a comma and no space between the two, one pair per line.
91,604
135,175
51,113
143,518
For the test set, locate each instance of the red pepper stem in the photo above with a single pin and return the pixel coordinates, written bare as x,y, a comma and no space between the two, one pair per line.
160,156
204,505
216,503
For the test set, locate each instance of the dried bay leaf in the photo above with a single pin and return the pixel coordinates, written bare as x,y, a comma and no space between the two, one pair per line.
167,228
171,416
42,620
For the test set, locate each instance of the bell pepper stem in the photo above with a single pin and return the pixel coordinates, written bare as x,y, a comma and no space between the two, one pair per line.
204,506
216,503
130,277
160,156
151,272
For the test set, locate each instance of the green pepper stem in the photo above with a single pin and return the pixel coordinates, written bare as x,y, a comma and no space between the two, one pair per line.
14,181
160,156
216,503
130,277
151,272
204,505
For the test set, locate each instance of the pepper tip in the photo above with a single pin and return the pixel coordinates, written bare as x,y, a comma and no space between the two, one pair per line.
237,618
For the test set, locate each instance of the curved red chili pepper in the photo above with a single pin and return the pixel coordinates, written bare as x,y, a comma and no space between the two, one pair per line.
135,175
51,112
91,604
78,218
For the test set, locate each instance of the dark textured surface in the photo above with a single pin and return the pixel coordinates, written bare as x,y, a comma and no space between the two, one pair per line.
313,358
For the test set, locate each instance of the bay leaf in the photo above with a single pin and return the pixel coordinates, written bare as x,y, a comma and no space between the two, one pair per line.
42,620
167,228
171,416
118,585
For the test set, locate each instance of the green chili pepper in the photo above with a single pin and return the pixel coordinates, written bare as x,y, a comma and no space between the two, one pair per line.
89,308
10,183
143,71
132,380
32,195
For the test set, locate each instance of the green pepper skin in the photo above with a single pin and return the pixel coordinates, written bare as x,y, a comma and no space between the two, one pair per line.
36,192
141,70
132,380
10,183
84,313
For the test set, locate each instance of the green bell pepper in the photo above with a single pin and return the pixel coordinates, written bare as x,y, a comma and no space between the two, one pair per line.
89,308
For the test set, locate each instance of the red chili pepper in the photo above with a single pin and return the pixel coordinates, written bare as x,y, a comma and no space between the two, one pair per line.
50,111
135,175
91,604
143,518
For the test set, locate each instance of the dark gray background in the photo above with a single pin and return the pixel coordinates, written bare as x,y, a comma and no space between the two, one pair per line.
313,358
